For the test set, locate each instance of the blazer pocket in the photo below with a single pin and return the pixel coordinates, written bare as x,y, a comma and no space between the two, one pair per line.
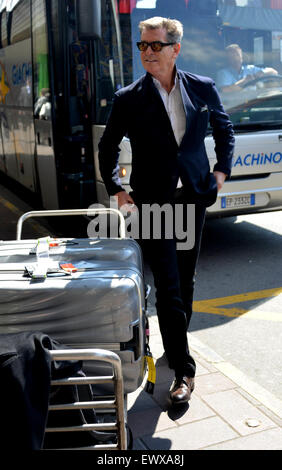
204,109
203,117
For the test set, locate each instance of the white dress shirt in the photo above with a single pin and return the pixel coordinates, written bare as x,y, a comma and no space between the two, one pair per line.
174,106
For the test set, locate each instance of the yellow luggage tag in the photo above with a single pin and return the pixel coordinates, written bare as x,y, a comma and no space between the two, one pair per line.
151,373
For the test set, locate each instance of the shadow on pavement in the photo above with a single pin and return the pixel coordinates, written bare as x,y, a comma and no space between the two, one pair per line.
152,413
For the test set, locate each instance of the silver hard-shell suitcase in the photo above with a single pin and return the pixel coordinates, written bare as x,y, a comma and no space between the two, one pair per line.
86,293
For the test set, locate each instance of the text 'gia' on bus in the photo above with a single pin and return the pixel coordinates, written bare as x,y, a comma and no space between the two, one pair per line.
61,62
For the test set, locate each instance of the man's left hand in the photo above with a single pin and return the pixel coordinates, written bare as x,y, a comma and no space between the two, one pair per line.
220,178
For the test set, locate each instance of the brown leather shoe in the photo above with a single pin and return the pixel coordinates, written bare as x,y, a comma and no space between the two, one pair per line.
181,389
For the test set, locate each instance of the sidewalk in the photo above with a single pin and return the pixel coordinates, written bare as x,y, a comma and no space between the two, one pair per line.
227,411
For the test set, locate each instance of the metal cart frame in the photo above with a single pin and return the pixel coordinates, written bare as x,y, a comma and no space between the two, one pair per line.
65,212
115,403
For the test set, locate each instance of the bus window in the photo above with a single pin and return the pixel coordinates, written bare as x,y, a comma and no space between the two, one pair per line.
210,30
4,35
19,19
42,103
108,64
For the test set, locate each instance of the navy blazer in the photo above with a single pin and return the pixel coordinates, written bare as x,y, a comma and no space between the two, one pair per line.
157,160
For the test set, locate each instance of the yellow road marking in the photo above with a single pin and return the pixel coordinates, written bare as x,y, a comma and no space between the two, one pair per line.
37,227
214,306
10,206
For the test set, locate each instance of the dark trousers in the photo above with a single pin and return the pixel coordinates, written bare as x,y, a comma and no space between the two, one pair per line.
174,277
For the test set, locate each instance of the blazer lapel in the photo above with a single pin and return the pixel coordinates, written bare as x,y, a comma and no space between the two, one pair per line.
154,103
187,103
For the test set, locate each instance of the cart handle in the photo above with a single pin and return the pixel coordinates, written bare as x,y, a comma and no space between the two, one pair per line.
53,213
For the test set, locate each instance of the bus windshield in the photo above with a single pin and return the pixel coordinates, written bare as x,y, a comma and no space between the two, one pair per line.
238,43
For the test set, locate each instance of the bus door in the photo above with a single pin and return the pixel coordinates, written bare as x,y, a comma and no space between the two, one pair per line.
108,79
62,111
62,107
43,106
76,167
82,98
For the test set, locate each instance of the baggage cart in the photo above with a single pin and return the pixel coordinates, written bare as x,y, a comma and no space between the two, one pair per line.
85,293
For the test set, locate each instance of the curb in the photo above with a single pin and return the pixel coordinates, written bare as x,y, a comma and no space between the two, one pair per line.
262,395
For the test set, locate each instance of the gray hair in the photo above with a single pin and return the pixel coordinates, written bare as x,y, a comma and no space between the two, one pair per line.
232,47
174,29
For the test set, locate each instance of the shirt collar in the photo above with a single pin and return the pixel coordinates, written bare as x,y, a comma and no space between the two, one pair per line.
157,83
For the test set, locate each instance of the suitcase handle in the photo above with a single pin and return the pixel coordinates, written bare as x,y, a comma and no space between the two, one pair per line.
52,213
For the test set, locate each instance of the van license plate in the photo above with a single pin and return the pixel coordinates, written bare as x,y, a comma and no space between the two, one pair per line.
229,202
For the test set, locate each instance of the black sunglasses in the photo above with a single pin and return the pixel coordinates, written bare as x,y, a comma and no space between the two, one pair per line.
156,46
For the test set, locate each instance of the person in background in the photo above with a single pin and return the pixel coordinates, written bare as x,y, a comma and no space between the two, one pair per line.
236,74
42,102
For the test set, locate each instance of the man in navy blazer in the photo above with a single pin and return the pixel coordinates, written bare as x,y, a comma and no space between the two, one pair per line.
165,115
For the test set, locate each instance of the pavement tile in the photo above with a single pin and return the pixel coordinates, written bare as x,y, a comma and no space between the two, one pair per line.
197,410
235,409
201,370
157,350
266,440
154,326
155,339
213,382
201,361
149,421
158,353
191,436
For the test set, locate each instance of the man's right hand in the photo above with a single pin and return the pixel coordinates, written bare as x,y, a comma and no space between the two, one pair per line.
124,200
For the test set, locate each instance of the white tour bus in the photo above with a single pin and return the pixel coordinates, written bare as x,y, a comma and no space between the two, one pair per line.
62,61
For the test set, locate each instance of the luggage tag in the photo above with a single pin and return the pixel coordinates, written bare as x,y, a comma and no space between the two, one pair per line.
151,373
41,246
68,268
41,267
41,270
50,243
36,271
57,242
53,243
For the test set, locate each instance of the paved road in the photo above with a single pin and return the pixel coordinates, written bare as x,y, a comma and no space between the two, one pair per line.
240,269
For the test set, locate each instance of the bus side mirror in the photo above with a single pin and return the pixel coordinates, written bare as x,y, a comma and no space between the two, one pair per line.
89,19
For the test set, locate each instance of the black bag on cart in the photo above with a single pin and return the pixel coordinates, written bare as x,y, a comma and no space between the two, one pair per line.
26,372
